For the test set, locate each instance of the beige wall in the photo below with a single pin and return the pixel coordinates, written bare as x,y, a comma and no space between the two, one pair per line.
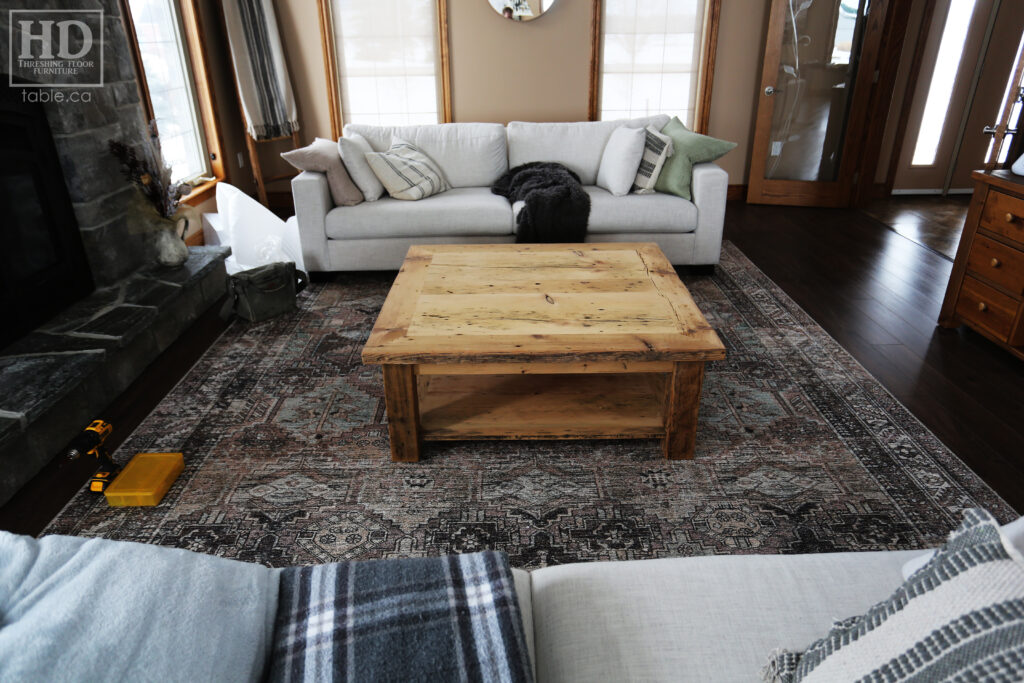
509,71
741,35
299,22
540,70
229,118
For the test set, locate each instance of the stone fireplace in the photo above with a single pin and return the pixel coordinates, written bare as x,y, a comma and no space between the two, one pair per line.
57,377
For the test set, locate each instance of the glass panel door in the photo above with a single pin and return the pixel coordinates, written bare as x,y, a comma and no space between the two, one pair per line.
810,83
812,98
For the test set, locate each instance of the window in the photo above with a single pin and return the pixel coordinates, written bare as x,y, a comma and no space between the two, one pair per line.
387,61
1009,110
947,64
173,92
650,58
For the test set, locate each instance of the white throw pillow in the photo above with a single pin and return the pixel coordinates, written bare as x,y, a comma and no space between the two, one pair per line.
657,148
406,171
1012,532
353,149
621,159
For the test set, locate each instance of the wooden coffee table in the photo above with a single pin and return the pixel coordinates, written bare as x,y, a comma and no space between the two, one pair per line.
540,341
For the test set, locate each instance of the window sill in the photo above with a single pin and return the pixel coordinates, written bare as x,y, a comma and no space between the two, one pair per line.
200,193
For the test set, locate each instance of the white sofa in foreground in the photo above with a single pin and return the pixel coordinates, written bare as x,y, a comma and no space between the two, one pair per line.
376,235
712,618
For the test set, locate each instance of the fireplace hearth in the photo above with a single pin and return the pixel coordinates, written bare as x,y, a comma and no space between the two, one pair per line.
67,350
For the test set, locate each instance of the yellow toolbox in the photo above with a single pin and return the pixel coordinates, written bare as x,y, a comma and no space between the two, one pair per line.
145,480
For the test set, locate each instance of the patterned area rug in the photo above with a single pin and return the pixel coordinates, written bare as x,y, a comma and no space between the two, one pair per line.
284,434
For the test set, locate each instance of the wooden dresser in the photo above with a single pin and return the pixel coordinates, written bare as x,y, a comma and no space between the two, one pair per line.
986,288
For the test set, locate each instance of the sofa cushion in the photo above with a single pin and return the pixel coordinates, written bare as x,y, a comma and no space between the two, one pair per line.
689,148
639,213
695,618
958,618
89,609
324,156
578,145
353,150
469,154
459,211
621,159
406,172
657,149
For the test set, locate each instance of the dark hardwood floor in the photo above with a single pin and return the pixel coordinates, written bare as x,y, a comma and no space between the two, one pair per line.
878,294
875,291
932,221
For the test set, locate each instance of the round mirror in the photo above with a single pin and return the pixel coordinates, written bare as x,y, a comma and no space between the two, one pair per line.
521,10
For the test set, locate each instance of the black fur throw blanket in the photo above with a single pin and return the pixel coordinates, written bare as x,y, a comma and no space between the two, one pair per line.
557,209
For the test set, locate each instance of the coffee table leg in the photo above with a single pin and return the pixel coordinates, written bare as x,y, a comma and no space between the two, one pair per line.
682,402
403,408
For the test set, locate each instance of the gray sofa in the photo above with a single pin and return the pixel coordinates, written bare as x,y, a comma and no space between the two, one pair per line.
207,618
376,235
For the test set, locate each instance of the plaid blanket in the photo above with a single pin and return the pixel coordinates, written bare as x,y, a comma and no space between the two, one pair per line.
436,618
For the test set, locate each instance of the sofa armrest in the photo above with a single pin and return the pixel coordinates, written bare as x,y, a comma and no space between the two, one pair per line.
710,185
312,202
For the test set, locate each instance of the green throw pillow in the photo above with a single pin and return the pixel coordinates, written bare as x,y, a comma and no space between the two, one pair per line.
690,148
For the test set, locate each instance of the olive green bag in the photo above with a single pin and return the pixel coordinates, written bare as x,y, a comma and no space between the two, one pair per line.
264,292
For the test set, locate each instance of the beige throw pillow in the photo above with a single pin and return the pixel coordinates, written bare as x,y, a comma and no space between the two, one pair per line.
406,172
657,148
321,156
353,150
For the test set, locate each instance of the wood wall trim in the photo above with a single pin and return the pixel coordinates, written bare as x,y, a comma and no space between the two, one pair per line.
330,66
195,37
894,34
594,104
736,192
445,66
908,95
706,74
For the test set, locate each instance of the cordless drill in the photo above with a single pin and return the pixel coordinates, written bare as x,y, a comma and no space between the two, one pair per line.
90,443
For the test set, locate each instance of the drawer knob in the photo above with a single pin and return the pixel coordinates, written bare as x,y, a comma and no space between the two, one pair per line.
995,263
1010,217
982,306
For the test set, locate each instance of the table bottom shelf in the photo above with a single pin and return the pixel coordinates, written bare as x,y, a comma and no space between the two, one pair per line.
561,406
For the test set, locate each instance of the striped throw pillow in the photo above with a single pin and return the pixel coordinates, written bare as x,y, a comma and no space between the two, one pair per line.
959,617
406,172
657,148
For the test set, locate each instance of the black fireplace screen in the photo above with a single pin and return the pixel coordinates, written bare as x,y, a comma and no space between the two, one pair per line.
43,267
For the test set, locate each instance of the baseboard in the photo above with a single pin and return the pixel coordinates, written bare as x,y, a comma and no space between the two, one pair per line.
736,192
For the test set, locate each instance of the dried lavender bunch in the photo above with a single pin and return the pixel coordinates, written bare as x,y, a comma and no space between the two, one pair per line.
150,174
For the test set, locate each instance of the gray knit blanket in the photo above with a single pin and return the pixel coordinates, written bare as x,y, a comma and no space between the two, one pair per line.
452,618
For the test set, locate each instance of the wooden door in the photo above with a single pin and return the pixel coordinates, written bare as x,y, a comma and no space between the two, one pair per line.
819,65
949,110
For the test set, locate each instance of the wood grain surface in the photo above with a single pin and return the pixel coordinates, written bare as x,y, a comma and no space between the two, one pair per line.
539,303
599,406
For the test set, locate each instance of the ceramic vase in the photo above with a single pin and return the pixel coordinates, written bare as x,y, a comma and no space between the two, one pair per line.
171,249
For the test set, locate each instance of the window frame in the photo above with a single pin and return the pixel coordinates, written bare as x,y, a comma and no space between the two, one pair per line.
705,71
328,45
195,53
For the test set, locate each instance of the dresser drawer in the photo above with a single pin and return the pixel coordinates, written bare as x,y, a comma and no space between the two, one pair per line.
998,263
1005,215
986,307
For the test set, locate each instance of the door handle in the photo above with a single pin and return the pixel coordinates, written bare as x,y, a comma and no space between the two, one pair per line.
992,130
769,91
